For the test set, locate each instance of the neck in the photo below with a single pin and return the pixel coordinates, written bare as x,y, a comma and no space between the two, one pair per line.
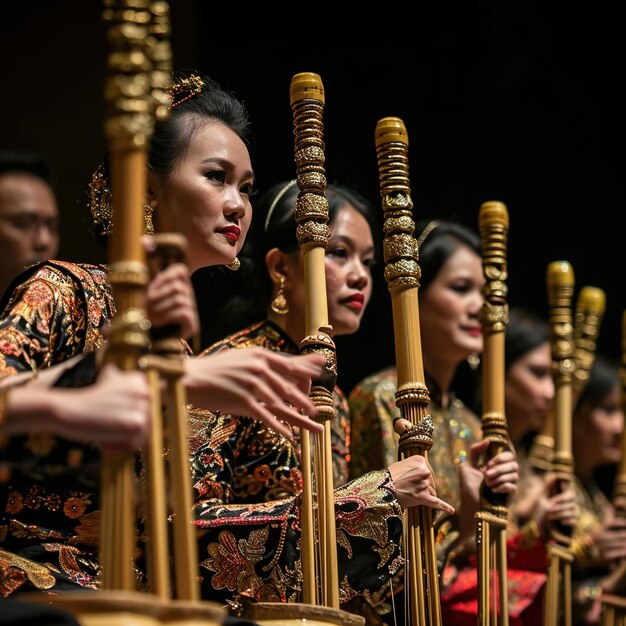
289,324
442,374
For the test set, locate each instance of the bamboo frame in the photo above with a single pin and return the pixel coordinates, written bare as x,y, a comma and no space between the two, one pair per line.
491,521
402,273
560,287
313,232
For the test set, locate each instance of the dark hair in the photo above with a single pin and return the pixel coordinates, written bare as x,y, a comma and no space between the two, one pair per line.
172,137
24,162
524,332
603,377
274,226
439,244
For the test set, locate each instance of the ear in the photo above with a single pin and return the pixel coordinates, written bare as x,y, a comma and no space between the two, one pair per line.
152,186
278,265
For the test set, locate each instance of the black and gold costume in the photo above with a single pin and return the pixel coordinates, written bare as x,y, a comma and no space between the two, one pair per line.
247,479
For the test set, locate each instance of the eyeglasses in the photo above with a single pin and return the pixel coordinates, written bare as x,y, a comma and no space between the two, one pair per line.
30,222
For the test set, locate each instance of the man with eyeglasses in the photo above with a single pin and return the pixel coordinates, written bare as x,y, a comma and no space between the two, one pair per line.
29,215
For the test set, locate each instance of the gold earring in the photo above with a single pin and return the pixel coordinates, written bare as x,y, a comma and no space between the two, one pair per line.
279,303
235,265
474,361
148,210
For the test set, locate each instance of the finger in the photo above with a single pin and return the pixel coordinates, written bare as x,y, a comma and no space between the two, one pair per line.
437,503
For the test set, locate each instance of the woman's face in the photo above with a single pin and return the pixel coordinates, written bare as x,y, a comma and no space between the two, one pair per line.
600,428
529,389
207,196
348,258
449,309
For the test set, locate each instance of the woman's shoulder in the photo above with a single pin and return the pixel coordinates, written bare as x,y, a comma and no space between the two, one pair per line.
260,334
385,379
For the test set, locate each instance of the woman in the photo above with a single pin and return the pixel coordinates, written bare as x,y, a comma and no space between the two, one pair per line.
450,301
242,462
200,173
599,540
529,398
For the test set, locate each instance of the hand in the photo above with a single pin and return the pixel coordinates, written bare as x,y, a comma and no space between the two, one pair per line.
414,481
560,508
255,382
609,538
170,300
114,412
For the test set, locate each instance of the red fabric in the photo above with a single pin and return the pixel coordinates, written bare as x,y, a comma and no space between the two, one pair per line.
526,577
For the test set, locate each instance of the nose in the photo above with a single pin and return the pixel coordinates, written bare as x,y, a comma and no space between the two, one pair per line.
45,238
234,204
476,302
359,275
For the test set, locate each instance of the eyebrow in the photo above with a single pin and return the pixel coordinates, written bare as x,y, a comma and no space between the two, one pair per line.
226,163
350,241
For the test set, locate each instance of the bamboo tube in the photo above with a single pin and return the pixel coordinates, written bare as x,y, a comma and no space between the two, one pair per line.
313,232
128,127
590,308
560,286
402,274
165,363
491,521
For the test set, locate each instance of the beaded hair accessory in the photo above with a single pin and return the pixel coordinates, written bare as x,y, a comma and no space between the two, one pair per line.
276,200
427,230
101,206
185,88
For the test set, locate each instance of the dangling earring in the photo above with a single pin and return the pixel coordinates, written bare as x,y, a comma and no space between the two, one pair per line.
148,210
279,303
235,265
473,361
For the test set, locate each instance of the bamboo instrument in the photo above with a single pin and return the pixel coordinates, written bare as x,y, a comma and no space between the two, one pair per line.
558,590
402,274
318,545
313,233
128,129
491,521
590,308
166,363
614,606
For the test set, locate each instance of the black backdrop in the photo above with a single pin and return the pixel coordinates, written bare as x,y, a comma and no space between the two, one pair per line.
518,101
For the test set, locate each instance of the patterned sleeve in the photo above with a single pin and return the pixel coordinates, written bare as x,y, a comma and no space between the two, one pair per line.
254,550
40,323
373,443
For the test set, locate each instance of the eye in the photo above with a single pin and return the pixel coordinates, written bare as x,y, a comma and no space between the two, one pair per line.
216,175
337,252
369,262
248,189
23,222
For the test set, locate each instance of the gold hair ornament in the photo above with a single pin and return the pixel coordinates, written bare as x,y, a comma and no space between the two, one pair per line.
100,204
276,200
184,89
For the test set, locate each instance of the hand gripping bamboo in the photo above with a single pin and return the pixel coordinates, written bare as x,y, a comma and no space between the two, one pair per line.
558,589
402,274
491,521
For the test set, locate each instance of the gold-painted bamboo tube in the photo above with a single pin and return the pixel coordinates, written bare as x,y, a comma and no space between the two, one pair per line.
493,222
313,232
402,274
560,288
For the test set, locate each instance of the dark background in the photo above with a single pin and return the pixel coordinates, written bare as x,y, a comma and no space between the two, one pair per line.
518,101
